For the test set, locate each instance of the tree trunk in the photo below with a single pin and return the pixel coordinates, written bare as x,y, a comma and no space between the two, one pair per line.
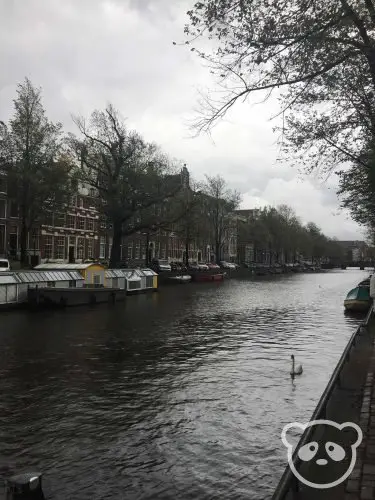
23,243
115,259
218,252
147,248
187,253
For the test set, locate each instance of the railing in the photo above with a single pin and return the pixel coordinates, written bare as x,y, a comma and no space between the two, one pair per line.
288,482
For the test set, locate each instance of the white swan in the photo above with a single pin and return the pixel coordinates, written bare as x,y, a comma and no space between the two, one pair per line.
295,371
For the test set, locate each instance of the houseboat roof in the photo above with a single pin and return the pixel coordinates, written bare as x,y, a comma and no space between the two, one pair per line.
65,267
8,279
149,272
38,277
129,274
134,274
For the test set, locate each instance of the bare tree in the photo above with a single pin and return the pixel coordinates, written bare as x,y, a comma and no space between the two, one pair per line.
220,203
134,179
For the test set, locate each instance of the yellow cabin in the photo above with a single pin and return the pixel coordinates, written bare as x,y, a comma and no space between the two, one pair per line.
92,273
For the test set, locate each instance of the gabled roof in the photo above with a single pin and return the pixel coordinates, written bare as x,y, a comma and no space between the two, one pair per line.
65,267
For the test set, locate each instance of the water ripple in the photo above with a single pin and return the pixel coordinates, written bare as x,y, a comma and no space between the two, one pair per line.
182,394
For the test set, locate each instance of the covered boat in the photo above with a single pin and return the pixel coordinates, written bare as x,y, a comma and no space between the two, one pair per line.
358,299
181,279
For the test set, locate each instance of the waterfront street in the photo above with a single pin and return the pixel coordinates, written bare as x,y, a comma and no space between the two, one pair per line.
181,394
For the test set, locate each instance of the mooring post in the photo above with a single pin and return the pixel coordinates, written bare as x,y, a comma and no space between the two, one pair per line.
27,486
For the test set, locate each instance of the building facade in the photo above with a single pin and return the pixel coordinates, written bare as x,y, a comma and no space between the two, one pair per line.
67,237
81,234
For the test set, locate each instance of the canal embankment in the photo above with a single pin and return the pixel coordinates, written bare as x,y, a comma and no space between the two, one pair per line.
348,397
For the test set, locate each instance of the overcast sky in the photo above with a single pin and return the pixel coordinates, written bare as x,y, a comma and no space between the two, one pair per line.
86,53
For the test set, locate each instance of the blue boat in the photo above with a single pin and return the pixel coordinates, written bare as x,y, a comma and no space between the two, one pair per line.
358,299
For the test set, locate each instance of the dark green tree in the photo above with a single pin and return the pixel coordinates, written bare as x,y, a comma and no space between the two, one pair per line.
40,171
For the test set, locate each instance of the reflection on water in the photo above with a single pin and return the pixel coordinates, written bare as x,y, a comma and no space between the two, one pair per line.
178,395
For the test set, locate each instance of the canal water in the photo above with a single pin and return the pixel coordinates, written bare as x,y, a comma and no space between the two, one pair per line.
177,395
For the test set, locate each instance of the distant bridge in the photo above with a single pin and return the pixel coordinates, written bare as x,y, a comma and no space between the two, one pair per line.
361,264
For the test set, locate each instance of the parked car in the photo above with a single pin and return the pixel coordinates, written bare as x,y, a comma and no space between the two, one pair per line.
4,265
227,265
212,265
193,266
161,265
202,266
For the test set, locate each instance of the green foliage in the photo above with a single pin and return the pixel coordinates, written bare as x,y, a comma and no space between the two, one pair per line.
318,56
39,168
357,190
279,231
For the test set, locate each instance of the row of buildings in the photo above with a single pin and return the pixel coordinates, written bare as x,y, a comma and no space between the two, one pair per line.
80,234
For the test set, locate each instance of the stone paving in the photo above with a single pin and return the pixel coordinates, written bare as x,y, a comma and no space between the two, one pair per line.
361,484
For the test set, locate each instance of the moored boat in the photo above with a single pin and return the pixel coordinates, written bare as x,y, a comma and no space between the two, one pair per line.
186,278
207,277
358,299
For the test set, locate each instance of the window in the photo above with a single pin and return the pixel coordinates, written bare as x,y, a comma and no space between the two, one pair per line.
90,224
72,241
80,248
81,223
48,247
164,252
80,203
130,251
71,221
60,247
59,220
137,251
2,238
90,249
51,284
13,212
103,224
114,282
74,201
102,248
110,244
72,284
2,209
96,279
3,184
92,192
34,242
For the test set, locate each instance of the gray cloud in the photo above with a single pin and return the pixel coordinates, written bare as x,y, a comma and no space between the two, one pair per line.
85,53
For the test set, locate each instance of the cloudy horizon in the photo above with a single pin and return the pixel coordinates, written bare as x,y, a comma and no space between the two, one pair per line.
88,53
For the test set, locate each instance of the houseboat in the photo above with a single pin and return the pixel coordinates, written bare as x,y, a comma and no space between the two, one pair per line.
132,281
15,286
92,287
92,273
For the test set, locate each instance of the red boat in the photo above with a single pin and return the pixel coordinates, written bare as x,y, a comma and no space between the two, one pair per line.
207,277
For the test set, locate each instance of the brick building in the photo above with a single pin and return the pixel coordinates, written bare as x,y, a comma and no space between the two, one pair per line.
81,234
70,236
